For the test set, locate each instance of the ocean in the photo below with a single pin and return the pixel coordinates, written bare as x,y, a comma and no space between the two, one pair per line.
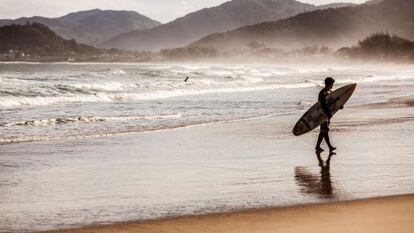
64,100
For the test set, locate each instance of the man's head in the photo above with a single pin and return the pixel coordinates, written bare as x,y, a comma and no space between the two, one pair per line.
329,82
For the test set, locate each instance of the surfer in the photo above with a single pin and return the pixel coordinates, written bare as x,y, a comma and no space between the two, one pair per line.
186,79
324,133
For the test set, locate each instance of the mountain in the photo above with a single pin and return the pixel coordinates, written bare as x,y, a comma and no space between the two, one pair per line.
92,26
38,39
334,27
227,16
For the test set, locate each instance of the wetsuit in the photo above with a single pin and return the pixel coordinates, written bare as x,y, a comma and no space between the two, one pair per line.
326,108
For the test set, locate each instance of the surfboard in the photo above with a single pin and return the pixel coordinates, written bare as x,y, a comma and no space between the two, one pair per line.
315,116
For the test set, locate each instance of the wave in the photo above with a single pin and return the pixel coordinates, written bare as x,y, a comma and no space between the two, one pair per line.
16,101
86,119
89,135
8,102
185,92
107,86
365,79
138,129
317,83
117,72
376,78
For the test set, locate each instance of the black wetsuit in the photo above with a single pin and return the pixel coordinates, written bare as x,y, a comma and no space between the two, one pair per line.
325,106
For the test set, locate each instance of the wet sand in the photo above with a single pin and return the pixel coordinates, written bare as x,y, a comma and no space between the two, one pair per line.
390,214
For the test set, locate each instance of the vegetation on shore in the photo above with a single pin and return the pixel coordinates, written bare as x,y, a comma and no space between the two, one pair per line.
381,46
36,42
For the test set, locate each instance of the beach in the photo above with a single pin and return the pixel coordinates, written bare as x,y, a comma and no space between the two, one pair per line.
196,159
215,168
389,214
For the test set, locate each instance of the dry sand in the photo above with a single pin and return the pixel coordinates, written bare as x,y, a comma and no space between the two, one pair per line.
388,215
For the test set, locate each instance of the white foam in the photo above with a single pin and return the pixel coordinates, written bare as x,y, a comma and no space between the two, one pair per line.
172,91
376,78
317,83
88,119
147,117
92,87
187,92
118,72
253,79
7,102
107,86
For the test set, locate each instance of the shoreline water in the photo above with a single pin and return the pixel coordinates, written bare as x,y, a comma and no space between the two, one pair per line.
282,219
117,134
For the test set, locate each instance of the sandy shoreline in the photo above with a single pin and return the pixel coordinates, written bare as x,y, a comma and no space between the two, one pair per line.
254,163
386,214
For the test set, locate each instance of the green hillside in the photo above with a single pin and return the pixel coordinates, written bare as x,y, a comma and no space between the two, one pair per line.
36,38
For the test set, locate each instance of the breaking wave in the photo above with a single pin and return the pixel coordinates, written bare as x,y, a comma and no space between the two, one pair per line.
83,94
85,119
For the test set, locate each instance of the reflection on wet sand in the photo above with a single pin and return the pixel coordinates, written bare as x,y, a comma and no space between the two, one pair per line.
310,183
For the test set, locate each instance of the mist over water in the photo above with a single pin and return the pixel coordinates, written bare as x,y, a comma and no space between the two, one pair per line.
64,100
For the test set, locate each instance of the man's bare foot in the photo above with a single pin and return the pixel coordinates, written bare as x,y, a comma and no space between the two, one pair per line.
332,148
318,149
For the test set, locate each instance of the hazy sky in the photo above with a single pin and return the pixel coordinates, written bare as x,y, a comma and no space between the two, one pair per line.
161,10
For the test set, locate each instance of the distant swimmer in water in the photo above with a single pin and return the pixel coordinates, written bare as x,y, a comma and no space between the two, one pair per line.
329,82
186,79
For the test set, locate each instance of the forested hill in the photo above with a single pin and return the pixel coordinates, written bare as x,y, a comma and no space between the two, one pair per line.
36,38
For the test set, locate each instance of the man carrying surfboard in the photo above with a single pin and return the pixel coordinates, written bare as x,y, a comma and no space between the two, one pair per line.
320,113
324,131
